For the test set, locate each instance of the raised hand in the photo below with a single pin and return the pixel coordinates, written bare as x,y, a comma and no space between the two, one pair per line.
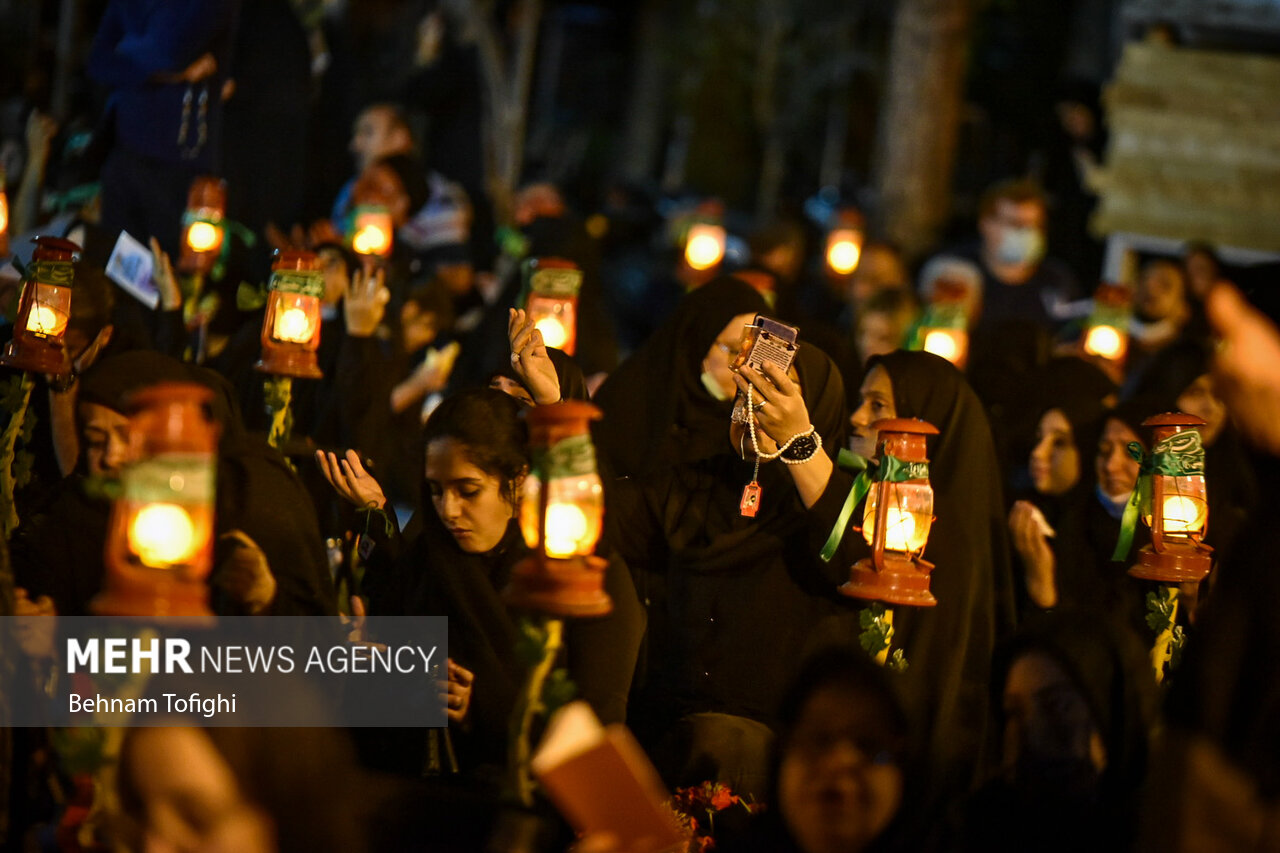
350,480
163,278
365,303
529,358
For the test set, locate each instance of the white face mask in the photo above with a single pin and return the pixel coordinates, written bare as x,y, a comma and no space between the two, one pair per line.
1020,246
713,387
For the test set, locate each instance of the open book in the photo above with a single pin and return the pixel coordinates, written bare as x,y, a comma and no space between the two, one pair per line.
602,782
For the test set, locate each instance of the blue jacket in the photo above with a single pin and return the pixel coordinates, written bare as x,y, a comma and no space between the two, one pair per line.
140,39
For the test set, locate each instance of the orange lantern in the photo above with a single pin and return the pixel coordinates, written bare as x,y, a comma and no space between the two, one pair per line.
897,517
1106,332
291,328
561,516
202,227
40,329
372,231
160,539
4,216
844,242
944,329
552,286
1174,504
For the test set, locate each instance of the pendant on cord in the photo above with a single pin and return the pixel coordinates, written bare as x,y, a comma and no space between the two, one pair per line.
750,504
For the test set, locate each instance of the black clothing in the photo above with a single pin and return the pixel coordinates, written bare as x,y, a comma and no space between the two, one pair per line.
947,647
731,600
656,409
432,576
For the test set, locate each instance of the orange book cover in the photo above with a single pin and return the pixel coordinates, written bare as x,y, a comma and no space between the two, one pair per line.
602,782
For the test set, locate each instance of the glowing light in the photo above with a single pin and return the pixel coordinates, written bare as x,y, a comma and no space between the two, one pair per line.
1104,341
4,212
162,535
44,320
906,526
294,326
843,253
553,332
705,247
566,529
1184,514
203,237
372,240
942,343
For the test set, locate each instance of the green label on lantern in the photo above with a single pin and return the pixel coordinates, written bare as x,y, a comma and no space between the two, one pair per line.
304,282
57,273
555,281
183,478
572,457
1179,455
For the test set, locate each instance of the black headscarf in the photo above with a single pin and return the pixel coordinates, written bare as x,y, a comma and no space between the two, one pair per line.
256,491
1078,390
1059,799
656,408
948,647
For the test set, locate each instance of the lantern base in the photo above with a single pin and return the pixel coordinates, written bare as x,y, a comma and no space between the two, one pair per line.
300,365
36,357
903,581
1178,564
561,587
155,595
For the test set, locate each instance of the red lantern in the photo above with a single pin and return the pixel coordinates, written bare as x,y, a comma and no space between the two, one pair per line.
160,539
552,303
291,328
897,518
944,330
1179,507
1106,334
202,227
844,242
39,331
372,231
4,215
561,517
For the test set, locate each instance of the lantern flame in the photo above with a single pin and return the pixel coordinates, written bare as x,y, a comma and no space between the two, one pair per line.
942,343
1183,515
203,236
705,247
44,320
162,535
4,211
843,253
371,240
1104,341
553,332
294,326
566,529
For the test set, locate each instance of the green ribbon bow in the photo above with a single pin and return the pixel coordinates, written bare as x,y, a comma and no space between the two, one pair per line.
889,469
1179,455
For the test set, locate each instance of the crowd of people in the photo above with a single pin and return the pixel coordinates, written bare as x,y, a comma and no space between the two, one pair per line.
1020,712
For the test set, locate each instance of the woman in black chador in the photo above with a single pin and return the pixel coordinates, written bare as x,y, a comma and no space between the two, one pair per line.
947,647
731,598
459,555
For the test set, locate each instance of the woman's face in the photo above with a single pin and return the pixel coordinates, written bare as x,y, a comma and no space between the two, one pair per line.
188,797
879,333
839,784
1161,293
1047,721
1055,461
1200,399
876,404
723,351
1117,471
472,503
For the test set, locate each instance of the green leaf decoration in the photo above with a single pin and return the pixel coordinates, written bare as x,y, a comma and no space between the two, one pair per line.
897,661
531,643
875,634
558,691
1159,611
23,468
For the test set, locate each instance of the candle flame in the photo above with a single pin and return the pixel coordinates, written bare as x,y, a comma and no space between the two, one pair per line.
162,535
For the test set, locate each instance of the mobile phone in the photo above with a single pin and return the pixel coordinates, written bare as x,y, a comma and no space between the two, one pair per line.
766,340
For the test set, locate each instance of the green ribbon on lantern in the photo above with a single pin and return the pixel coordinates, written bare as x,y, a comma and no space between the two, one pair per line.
889,469
1179,455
